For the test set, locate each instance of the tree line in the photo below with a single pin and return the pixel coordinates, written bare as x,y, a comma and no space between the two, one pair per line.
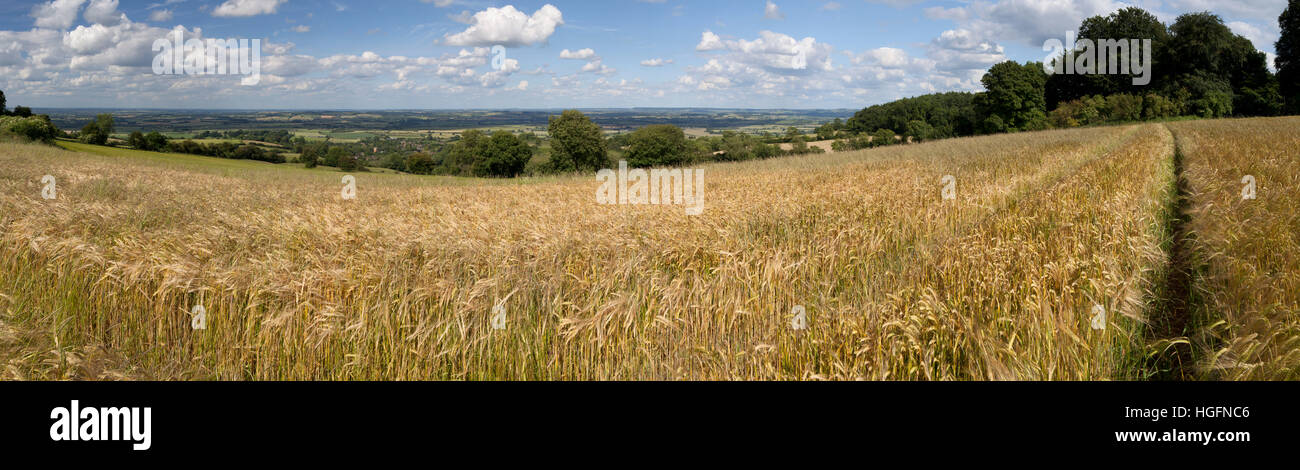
1200,69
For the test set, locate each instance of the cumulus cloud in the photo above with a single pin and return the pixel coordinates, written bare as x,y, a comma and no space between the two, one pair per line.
508,26
710,42
243,8
57,14
656,62
583,54
960,50
103,12
773,51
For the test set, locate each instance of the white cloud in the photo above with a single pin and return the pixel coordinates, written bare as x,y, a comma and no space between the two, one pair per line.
508,26
103,12
656,62
773,51
709,42
597,67
302,28
57,14
960,49
1262,39
160,15
583,54
772,12
244,8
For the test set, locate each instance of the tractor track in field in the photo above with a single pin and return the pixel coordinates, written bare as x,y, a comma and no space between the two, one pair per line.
1170,327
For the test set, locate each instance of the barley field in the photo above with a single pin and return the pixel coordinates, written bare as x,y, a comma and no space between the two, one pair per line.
1055,260
1246,252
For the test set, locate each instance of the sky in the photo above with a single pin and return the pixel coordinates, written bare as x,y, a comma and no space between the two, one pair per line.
443,54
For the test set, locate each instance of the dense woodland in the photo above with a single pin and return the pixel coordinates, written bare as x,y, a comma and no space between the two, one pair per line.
1200,69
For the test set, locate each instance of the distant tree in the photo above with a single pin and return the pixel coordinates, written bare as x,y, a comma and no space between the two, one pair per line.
792,133
334,156
504,156
136,140
94,133
155,141
919,130
311,154
1287,62
420,163
799,146
736,146
1016,95
826,131
657,145
883,137
577,143
22,111
950,114
349,162
461,156
2,103
105,123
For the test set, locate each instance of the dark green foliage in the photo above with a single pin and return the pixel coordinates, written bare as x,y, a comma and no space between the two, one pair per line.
504,155
948,114
1016,95
657,145
577,143
1288,57
219,150
736,146
96,132
33,128
420,163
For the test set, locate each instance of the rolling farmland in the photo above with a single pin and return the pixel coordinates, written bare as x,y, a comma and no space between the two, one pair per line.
1059,255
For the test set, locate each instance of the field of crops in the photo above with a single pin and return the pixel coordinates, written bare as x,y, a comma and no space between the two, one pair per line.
1245,252
1058,257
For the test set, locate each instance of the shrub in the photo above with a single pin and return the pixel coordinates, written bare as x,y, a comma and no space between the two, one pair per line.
34,128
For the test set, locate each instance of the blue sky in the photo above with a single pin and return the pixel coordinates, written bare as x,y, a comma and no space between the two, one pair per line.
437,54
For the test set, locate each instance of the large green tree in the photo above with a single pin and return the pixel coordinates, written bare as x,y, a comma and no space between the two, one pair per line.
504,155
657,145
1015,97
2,102
577,143
1204,50
97,132
1288,56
